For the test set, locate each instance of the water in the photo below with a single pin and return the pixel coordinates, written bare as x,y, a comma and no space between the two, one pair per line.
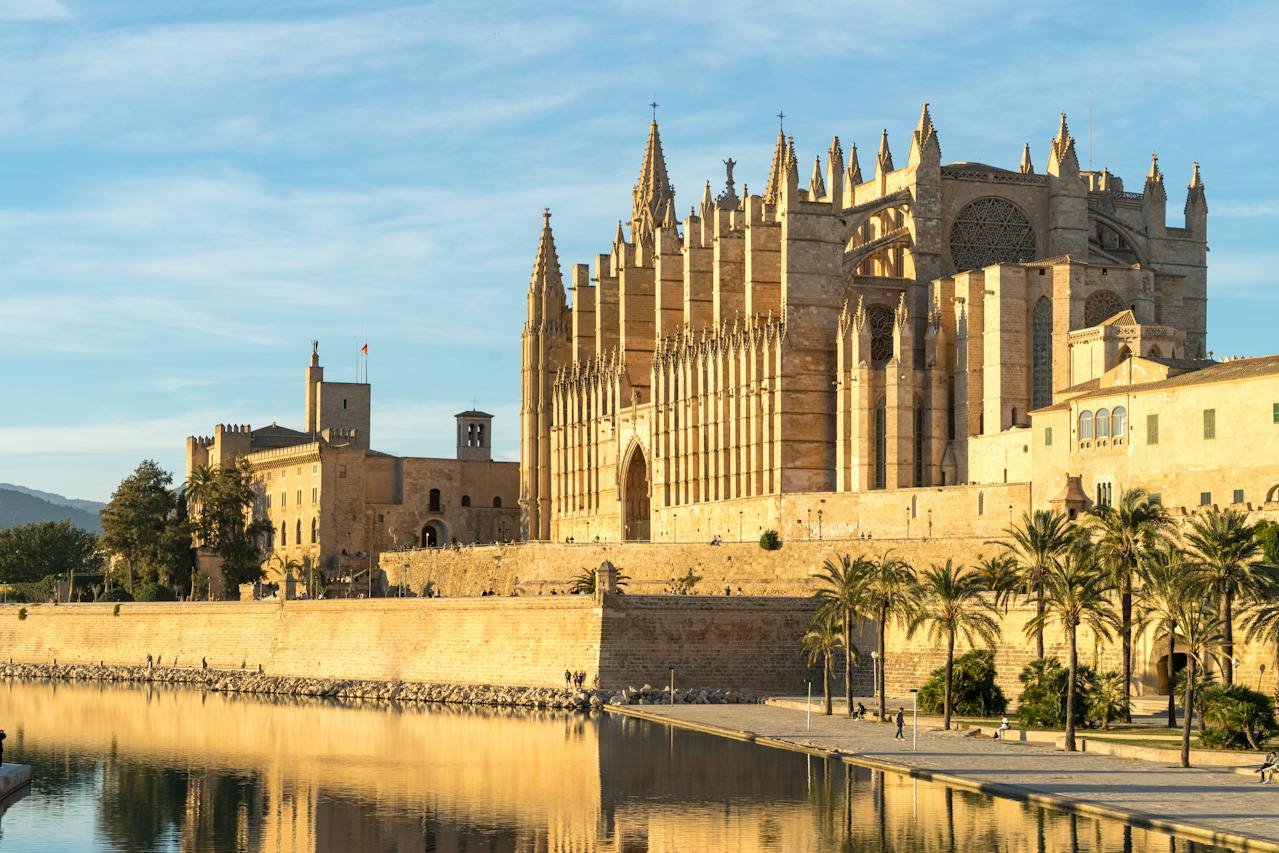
127,768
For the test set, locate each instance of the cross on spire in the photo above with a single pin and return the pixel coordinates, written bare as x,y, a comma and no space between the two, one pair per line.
781,120
654,105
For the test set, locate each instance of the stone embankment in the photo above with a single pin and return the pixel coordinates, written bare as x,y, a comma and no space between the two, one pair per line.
248,681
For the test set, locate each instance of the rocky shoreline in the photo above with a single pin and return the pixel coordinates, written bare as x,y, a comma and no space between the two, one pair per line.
249,682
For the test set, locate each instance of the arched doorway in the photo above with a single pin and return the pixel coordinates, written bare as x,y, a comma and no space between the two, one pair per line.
1159,674
434,535
635,505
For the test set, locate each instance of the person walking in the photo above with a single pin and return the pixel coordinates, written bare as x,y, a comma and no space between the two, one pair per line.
2,736
901,721
568,676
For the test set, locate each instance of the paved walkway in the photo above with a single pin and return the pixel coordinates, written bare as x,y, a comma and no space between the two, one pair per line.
1212,805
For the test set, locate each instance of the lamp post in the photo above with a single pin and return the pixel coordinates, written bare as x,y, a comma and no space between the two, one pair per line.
914,721
1010,513
739,526
907,522
930,522
874,660
675,527
819,525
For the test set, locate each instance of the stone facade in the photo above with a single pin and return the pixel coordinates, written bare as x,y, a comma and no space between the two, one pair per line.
859,334
335,503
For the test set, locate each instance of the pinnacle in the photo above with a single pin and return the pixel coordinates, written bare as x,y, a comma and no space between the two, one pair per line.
620,237
854,167
1196,182
1027,167
775,171
1154,174
925,122
816,187
884,161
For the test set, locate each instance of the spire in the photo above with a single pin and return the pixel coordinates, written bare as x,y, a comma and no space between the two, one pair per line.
1062,157
1196,182
1196,203
1155,181
619,239
854,167
1026,167
924,138
546,265
668,217
775,171
884,160
708,202
652,189
835,172
816,187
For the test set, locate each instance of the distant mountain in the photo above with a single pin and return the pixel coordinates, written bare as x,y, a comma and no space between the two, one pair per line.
88,506
20,505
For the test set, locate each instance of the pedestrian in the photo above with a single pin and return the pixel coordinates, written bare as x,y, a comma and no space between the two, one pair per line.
149,661
568,676
2,747
901,721
1003,727
1268,766
204,663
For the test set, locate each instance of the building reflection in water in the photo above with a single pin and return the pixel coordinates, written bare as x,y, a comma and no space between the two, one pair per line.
165,769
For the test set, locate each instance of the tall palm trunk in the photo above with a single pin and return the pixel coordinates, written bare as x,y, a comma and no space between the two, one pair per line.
1070,689
826,668
1172,679
1039,611
1125,608
950,674
848,659
883,665
1189,711
1228,635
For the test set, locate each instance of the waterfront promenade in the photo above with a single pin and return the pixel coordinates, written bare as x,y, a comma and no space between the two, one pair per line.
1211,804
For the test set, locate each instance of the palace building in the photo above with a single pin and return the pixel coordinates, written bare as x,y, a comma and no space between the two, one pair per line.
336,504
822,344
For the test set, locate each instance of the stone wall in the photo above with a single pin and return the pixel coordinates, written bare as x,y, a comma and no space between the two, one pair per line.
739,643
538,568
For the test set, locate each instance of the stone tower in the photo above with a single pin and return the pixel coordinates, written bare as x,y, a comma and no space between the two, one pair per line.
474,436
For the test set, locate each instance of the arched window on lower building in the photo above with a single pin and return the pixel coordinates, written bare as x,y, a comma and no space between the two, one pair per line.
466,500
1119,422
1085,426
497,503
433,500
1101,423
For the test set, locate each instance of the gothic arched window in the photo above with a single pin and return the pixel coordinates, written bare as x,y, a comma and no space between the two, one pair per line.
881,444
1041,354
990,231
882,320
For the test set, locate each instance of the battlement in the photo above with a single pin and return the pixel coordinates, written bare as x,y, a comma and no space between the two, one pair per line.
232,428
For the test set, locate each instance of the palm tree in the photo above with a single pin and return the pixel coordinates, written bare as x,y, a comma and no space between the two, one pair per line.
1122,535
1200,628
1262,620
888,593
1074,595
1225,545
952,602
821,641
1166,582
1000,576
1035,544
840,593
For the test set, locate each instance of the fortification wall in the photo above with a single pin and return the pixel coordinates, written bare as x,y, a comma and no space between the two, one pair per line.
537,568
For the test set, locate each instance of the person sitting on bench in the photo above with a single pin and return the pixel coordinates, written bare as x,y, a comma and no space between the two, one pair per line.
1270,765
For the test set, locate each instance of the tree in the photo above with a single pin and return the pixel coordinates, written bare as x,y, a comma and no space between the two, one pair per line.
1122,536
144,524
888,593
1199,626
1225,546
821,641
1001,577
1074,595
952,603
1261,622
220,502
1035,544
840,592
33,551
1166,581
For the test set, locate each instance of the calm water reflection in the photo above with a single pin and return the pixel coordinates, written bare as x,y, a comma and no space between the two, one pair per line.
133,769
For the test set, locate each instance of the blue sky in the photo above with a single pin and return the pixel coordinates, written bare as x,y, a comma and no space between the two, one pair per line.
189,193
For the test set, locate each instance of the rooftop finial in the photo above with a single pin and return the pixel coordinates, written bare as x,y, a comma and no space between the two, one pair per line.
781,120
1026,167
1196,182
1154,167
654,105
546,217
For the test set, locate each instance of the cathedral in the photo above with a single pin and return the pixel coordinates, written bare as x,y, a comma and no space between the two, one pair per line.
861,332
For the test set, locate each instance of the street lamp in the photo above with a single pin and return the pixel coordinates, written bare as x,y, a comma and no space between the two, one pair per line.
914,722
739,526
874,659
907,522
930,522
819,525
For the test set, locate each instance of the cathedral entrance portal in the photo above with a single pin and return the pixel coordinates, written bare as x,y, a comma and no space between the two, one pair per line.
635,505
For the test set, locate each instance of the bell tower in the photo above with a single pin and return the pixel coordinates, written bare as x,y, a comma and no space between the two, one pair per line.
474,436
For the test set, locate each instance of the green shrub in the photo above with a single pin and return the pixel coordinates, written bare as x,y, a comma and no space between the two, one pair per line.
22,614
154,592
1236,717
115,611
974,692
1043,696
117,593
770,541
1104,700
684,585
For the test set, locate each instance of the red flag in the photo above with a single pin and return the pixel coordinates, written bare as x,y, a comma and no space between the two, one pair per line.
365,349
